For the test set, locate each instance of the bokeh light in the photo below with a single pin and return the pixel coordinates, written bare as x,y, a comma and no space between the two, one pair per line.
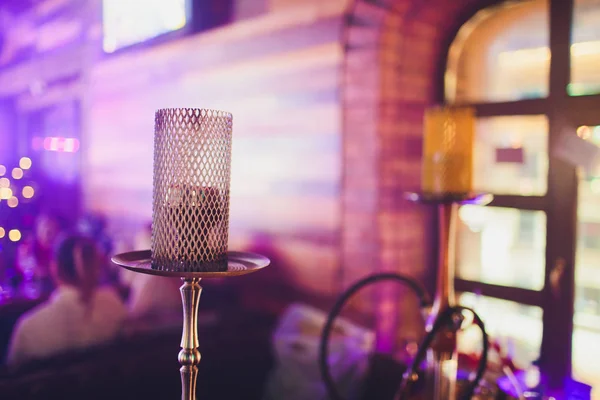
5,193
13,202
17,173
25,162
2,232
584,132
61,144
14,235
4,183
28,192
2,170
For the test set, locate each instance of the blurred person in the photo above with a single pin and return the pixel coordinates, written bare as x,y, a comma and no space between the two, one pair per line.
34,254
78,314
151,295
93,225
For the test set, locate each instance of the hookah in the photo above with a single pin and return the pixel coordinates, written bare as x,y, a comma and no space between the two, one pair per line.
446,184
449,319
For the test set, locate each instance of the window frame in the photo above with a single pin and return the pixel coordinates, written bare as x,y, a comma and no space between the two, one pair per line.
560,201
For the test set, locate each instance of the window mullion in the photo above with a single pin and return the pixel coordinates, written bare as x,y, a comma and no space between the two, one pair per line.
558,294
532,203
518,295
520,107
582,110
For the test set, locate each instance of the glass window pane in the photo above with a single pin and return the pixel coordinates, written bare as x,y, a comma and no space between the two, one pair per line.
517,327
585,48
586,336
502,246
501,54
511,155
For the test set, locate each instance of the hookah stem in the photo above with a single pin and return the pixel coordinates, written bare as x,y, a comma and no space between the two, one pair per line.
440,322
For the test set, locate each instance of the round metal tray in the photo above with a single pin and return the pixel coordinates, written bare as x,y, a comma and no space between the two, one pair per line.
238,263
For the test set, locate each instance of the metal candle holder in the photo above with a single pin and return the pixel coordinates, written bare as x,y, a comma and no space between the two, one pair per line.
190,217
444,347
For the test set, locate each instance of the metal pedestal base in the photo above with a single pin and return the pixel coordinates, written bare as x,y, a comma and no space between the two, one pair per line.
238,263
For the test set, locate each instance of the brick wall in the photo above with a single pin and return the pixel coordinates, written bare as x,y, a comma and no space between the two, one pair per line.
388,85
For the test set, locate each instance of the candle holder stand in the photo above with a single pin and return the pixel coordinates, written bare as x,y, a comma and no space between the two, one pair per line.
238,263
442,356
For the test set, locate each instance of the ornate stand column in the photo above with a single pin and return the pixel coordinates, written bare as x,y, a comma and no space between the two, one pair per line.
189,356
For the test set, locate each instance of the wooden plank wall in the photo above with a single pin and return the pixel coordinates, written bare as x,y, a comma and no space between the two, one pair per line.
278,75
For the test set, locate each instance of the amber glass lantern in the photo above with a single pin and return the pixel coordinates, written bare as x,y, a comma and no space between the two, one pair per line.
449,134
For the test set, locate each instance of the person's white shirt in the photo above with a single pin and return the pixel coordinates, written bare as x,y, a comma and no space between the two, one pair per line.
151,295
154,295
65,323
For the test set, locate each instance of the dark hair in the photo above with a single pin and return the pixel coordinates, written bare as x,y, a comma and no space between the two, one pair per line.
77,265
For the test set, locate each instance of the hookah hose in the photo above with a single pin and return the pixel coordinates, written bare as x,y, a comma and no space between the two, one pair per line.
409,377
337,308
444,319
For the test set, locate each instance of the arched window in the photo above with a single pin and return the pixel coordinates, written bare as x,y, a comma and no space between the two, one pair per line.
531,261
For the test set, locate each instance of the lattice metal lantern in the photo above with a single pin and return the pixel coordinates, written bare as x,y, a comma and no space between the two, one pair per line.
190,217
192,169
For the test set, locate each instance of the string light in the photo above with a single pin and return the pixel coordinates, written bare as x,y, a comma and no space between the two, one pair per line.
61,144
27,192
4,183
17,173
13,202
2,232
14,235
5,193
2,170
25,162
